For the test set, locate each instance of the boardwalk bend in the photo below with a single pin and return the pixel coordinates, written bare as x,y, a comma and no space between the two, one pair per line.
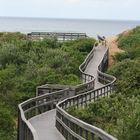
44,117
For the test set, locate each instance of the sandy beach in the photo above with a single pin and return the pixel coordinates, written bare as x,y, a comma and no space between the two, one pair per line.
113,48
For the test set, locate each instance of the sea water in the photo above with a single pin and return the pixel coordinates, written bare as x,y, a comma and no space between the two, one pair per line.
90,27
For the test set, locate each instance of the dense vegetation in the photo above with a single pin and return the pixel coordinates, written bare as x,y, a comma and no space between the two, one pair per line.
119,114
25,64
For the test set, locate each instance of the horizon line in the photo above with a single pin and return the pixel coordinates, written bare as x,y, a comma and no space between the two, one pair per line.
66,18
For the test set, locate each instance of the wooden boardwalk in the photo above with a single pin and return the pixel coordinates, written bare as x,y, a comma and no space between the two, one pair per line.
92,67
58,35
44,123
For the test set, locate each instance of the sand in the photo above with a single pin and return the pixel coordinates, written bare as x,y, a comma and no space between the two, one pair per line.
113,48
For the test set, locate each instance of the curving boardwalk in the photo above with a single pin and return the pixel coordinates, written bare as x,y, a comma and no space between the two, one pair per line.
44,124
92,66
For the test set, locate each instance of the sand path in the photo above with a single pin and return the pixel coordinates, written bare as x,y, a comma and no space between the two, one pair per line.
113,48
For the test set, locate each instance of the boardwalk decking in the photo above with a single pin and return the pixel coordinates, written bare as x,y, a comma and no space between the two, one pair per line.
59,35
92,67
44,123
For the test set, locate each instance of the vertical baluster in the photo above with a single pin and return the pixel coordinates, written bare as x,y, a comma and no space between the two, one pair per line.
90,97
93,95
98,93
81,131
111,87
85,99
107,90
86,135
104,91
92,136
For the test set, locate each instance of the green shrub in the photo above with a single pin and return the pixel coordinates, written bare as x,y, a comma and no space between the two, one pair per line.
25,64
119,114
7,124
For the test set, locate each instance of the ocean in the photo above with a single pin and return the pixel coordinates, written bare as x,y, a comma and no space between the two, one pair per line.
90,27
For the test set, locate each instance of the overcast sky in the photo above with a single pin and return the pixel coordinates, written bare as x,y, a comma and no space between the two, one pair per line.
89,9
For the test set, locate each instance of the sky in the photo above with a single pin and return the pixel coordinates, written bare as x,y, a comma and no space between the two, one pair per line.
81,9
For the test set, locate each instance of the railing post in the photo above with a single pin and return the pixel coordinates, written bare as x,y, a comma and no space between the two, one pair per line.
19,126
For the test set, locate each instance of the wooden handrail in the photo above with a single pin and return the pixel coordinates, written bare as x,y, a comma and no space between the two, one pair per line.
59,35
68,125
80,129
36,105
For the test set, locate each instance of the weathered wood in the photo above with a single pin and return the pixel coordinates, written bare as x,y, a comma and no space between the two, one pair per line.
94,95
58,35
66,123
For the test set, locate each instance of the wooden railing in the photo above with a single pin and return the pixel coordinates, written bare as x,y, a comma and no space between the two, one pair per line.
74,129
48,101
48,98
87,79
58,35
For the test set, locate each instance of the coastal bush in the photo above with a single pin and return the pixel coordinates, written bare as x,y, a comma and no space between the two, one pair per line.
25,64
81,44
129,54
119,114
130,40
7,123
128,77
